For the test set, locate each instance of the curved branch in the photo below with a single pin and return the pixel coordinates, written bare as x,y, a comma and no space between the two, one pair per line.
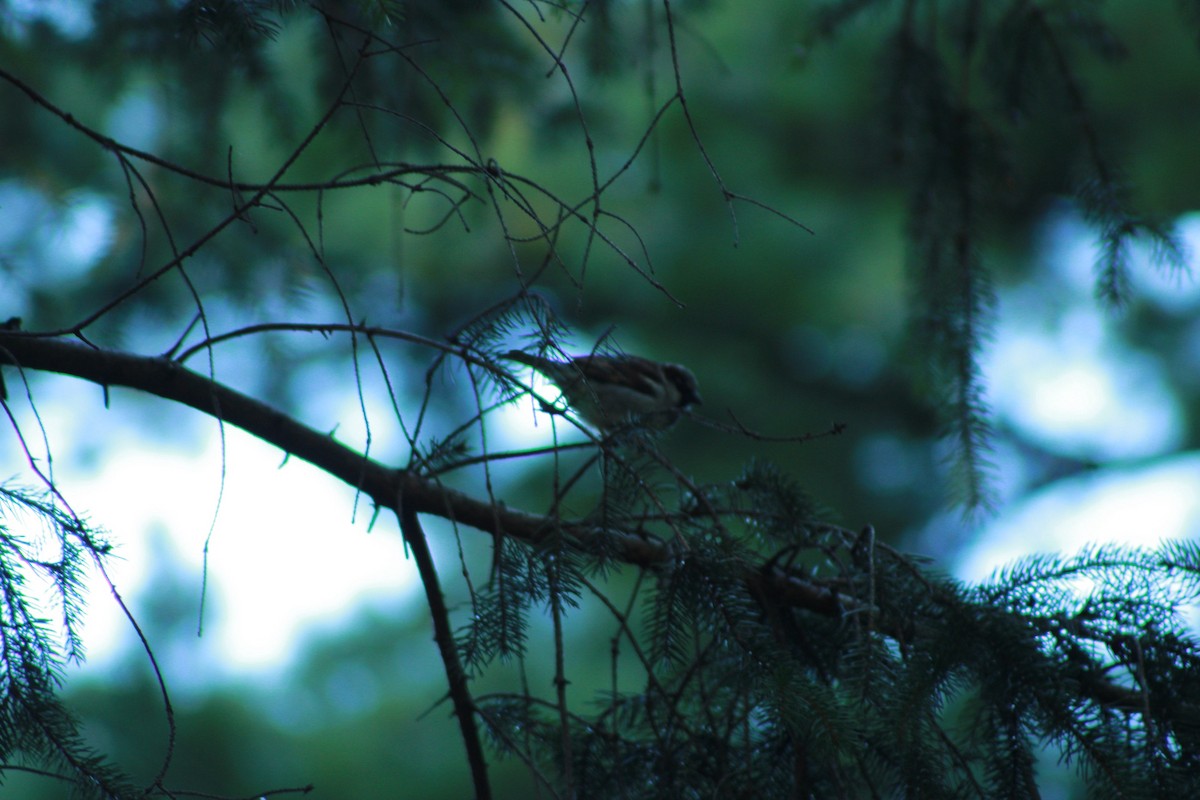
168,379
386,486
456,677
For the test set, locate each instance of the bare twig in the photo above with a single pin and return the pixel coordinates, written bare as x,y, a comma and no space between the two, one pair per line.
443,635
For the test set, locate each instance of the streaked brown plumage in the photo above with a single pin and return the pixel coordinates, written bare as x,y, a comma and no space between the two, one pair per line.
614,391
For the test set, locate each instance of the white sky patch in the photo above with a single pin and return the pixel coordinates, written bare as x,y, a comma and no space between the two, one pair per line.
136,120
285,559
1070,385
1056,369
524,424
285,554
1072,251
85,233
72,18
1138,506
1175,292
47,241
1058,373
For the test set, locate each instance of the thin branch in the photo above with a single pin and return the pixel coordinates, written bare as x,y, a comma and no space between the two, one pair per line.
385,486
456,676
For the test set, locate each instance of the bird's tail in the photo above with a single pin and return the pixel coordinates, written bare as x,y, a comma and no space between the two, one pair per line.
525,358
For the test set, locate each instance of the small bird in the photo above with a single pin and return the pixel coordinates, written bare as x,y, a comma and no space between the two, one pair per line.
611,392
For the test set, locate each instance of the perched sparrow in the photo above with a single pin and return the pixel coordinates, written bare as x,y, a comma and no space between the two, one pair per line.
612,391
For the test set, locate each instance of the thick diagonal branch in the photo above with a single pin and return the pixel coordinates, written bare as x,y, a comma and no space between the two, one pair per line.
167,379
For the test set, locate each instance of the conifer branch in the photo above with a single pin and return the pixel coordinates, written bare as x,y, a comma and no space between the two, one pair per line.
774,584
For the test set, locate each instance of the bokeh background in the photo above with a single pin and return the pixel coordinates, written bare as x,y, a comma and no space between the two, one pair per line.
315,663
